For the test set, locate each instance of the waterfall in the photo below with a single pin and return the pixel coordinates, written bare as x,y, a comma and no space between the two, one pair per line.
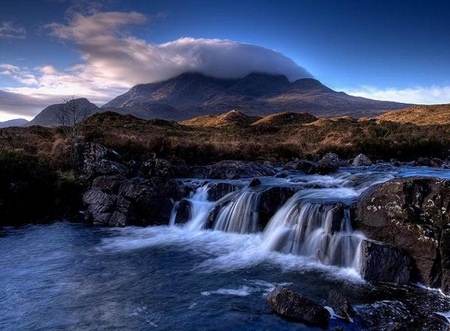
322,231
302,226
240,214
199,209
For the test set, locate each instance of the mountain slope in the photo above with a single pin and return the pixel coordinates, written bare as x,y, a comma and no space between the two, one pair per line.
14,122
257,94
420,115
48,116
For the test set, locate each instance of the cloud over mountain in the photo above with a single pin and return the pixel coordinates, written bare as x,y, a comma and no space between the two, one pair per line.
110,53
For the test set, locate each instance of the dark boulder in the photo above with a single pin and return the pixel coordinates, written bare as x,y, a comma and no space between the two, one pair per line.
328,164
217,191
411,214
382,263
294,306
93,159
238,169
341,306
270,201
361,160
308,167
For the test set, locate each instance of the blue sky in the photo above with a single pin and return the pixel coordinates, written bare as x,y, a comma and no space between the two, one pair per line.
51,49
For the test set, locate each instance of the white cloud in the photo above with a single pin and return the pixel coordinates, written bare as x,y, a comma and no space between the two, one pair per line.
417,95
9,30
112,60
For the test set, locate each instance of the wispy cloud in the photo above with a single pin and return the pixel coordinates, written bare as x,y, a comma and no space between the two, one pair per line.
417,95
9,30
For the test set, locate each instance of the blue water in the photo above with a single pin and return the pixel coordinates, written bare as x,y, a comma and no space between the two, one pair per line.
69,276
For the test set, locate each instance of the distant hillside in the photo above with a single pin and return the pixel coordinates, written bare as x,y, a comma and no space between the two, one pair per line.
14,122
48,116
285,118
230,118
420,115
193,94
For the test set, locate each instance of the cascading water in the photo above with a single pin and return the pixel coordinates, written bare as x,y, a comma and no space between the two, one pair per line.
302,226
240,215
322,231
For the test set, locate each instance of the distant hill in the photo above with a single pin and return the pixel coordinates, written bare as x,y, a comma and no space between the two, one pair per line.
230,118
420,115
193,94
285,118
14,122
48,116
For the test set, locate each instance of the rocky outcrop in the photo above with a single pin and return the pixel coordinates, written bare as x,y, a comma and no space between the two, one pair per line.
382,263
226,169
115,200
361,160
294,306
411,214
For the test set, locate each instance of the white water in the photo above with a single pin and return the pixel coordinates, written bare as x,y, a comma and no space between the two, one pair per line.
303,226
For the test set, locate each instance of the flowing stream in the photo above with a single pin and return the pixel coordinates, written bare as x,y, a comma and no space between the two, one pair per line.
210,272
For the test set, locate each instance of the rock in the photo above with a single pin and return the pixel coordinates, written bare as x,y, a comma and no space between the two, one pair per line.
292,305
217,191
340,305
381,263
156,168
183,210
254,182
361,160
411,214
238,169
308,167
90,161
328,164
423,162
437,163
270,201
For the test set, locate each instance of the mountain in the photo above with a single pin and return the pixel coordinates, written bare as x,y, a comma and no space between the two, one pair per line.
48,117
420,115
14,122
257,94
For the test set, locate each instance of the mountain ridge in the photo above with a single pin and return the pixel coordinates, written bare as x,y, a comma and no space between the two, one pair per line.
257,94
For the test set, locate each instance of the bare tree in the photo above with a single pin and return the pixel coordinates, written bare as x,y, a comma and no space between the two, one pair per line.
69,115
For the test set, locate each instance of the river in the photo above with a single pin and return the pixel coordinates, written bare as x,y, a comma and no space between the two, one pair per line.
68,276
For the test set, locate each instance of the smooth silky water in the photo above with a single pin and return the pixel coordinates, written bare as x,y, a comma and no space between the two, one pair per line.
68,276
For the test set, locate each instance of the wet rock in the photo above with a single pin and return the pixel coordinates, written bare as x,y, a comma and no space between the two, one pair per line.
270,201
423,162
437,163
328,164
308,167
238,169
292,305
361,160
254,182
217,191
382,263
411,214
341,306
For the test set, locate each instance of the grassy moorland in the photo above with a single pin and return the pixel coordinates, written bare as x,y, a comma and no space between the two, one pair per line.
36,169
234,136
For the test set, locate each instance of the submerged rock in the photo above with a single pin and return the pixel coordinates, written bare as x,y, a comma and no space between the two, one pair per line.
411,214
292,305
